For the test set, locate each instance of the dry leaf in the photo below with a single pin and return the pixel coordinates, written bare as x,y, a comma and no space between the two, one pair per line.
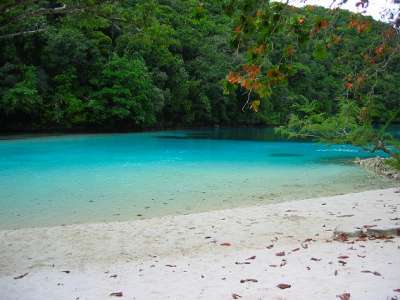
117,294
248,280
236,296
283,286
345,296
315,259
280,253
226,244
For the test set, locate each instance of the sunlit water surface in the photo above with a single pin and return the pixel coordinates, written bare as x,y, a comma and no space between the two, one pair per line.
47,181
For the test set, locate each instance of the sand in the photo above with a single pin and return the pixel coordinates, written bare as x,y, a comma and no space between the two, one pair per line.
241,253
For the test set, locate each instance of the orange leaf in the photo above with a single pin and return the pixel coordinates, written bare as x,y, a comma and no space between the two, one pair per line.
283,286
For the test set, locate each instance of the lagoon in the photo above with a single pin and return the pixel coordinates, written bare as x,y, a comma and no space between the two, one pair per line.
57,180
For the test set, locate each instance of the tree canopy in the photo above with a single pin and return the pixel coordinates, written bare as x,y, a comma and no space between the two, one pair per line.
332,75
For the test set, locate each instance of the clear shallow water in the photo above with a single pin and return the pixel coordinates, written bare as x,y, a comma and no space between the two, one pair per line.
93,178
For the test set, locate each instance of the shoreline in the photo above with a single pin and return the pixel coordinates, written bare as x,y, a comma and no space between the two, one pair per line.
205,255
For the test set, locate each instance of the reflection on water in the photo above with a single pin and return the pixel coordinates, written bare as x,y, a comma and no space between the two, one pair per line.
109,177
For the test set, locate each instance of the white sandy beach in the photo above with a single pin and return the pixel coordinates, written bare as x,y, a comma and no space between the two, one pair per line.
207,255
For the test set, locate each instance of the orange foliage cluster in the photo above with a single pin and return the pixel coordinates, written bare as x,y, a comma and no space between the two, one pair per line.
379,50
250,81
290,51
358,25
275,76
348,85
252,71
238,29
260,49
368,59
234,78
323,24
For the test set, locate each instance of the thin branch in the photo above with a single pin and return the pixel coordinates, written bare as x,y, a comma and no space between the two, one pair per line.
12,35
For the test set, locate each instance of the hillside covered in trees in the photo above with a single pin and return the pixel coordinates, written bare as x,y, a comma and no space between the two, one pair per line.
136,64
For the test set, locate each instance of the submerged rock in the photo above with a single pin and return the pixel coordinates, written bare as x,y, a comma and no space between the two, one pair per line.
379,166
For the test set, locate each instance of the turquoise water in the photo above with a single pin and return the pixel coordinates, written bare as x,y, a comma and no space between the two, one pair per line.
47,181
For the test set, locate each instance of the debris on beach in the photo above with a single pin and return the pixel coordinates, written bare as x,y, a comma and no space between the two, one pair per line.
283,286
248,280
374,273
21,276
345,296
226,244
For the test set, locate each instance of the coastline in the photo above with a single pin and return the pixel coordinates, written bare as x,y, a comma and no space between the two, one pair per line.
206,255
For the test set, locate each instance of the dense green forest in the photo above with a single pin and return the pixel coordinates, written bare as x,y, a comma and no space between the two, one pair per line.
135,64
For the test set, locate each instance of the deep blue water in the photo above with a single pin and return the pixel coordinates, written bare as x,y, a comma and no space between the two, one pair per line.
67,179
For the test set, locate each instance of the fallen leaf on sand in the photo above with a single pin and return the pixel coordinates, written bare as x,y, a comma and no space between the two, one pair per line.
396,290
362,256
343,257
345,296
345,216
336,272
248,280
66,272
242,263
297,249
21,276
342,237
374,273
369,226
283,286
280,253
315,259
342,262
236,296
226,244
171,266
273,266
251,257
117,294
270,246
114,276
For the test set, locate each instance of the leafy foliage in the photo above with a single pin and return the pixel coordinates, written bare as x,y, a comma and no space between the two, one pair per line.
321,73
